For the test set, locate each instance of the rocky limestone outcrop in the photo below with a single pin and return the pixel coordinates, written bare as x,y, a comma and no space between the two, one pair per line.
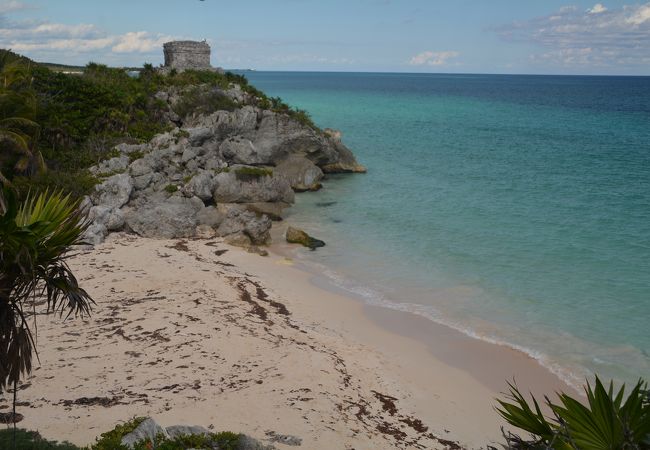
229,171
150,430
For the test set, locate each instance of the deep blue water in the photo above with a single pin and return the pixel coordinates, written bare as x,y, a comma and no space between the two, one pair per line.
516,208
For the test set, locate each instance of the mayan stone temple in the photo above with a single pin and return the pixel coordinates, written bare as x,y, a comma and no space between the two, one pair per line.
184,55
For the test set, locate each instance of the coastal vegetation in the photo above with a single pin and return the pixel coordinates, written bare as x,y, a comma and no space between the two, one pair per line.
36,236
54,126
606,422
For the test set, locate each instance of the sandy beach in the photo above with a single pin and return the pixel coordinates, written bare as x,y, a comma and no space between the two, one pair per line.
200,333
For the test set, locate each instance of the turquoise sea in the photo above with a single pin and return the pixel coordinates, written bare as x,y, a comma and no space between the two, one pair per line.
513,208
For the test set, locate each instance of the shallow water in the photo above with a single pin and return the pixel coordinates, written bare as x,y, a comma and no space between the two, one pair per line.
515,208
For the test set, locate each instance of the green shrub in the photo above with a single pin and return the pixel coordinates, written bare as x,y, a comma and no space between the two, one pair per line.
77,184
254,172
171,188
606,422
222,441
203,100
111,440
31,440
135,155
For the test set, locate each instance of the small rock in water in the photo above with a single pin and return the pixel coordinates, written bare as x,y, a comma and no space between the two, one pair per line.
297,236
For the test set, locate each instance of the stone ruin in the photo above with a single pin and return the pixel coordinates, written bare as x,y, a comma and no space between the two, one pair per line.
184,55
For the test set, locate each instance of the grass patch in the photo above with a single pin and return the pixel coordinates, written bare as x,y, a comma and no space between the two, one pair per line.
254,172
223,441
133,156
31,440
171,188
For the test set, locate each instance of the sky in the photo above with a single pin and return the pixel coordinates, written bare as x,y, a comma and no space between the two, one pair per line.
439,36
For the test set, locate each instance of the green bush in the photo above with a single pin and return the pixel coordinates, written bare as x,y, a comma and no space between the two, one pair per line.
203,100
76,184
31,440
605,423
254,172
223,441
171,188
111,440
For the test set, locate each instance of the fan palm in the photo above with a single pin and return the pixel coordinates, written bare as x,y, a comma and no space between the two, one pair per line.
606,422
36,237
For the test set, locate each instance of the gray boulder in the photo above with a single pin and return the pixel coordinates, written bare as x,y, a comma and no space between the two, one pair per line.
273,210
239,220
114,192
210,216
95,234
141,167
148,429
239,150
127,149
300,173
201,185
170,218
248,443
113,165
112,219
239,187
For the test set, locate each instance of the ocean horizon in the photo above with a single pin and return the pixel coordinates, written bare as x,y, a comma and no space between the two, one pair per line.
515,208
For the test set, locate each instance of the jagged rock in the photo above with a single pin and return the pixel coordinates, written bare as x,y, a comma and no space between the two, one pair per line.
238,239
345,161
302,174
297,236
164,139
111,218
235,188
113,165
241,151
242,221
273,210
248,443
199,135
95,234
170,218
185,430
141,167
202,185
333,134
127,149
114,192
84,206
148,429
210,216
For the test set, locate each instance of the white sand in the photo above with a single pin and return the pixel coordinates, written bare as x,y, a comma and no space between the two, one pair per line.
251,344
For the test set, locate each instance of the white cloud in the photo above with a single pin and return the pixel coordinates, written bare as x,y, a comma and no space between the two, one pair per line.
139,42
640,16
6,7
430,58
45,40
597,9
599,36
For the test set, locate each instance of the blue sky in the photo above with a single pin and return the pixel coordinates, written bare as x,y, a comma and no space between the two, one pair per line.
468,36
